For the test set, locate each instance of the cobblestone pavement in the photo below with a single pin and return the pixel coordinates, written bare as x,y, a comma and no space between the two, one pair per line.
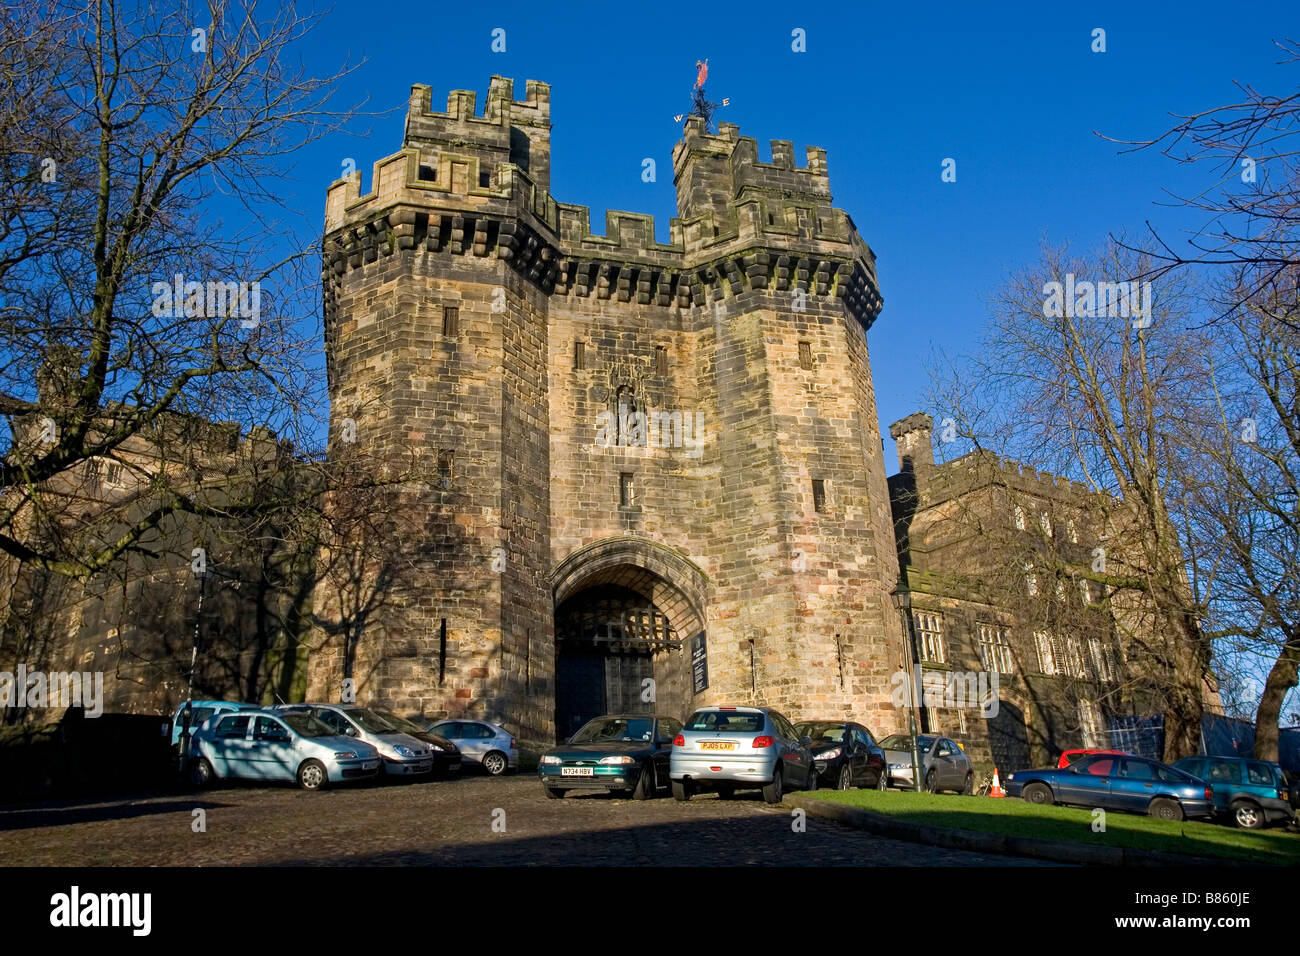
444,823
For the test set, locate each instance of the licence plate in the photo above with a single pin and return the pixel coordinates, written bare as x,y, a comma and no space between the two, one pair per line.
370,765
717,745
577,772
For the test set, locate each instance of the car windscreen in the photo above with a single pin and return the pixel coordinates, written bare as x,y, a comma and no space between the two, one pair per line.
722,721
904,742
398,723
821,732
370,722
614,728
306,725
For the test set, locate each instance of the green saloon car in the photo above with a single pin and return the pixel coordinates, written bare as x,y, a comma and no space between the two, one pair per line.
622,753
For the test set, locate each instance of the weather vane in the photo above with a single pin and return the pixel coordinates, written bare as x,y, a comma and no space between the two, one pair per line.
700,104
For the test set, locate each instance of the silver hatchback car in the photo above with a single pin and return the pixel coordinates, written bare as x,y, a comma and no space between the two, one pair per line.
487,744
732,748
403,755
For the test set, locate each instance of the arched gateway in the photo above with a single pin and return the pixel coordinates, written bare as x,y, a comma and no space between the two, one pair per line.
628,614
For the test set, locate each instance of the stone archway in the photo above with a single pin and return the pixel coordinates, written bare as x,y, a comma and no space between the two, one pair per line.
626,613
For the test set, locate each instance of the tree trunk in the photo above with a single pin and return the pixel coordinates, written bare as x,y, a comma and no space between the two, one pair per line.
1281,678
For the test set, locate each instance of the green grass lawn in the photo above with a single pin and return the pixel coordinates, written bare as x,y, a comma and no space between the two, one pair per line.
1068,824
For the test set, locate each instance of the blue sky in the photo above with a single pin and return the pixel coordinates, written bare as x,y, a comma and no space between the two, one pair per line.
1013,94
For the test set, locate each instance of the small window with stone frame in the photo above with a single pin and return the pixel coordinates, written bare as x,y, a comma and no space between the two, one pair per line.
450,321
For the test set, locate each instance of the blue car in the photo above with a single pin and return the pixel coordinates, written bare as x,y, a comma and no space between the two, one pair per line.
191,714
1253,792
278,745
1113,782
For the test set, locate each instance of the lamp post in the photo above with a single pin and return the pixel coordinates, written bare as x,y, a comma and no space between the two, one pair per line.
902,600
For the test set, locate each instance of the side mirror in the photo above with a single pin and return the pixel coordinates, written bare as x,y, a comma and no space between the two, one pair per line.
806,741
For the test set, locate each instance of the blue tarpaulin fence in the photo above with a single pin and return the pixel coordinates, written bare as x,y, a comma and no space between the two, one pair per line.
1144,735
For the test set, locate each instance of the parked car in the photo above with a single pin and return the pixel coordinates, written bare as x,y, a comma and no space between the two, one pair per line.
1117,782
489,745
402,754
731,748
944,765
1070,756
621,753
270,745
446,755
1253,792
191,714
845,755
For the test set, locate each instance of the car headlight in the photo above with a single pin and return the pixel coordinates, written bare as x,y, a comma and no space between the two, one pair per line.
828,755
345,755
1010,777
619,759
435,748
403,751
551,759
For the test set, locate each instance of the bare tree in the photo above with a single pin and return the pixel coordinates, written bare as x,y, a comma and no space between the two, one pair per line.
1252,209
1080,377
126,308
1240,469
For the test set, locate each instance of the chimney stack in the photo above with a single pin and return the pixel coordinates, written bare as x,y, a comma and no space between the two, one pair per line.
912,438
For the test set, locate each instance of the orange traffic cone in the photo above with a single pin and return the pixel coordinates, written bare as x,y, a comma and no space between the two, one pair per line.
997,785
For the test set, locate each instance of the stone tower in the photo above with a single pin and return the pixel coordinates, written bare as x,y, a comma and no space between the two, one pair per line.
635,476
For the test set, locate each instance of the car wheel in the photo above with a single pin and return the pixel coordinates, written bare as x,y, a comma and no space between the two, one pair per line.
970,784
846,779
312,775
555,793
645,784
774,791
1162,808
726,792
932,782
201,773
495,763
1246,815
1038,793
812,781
681,790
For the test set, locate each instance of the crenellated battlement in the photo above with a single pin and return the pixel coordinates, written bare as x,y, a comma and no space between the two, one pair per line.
981,468
474,183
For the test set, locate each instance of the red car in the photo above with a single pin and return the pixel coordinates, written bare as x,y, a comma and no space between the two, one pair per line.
1070,756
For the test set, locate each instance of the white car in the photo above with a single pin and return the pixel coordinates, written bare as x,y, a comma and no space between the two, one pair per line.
489,745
